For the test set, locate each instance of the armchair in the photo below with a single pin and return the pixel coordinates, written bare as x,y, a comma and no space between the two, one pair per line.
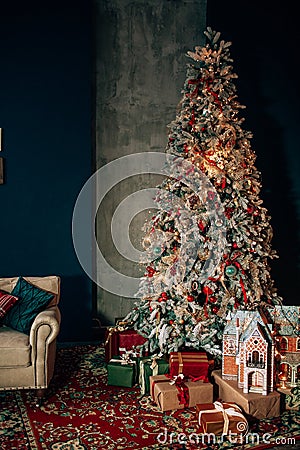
27,361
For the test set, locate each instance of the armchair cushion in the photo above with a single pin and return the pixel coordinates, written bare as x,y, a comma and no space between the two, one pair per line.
32,300
15,349
7,301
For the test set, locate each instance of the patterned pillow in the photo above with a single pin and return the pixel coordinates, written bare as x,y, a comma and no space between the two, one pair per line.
32,300
7,301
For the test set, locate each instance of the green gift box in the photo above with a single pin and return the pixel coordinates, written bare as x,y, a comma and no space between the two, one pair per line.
120,373
148,367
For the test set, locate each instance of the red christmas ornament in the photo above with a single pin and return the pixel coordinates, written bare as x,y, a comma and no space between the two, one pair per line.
190,298
161,299
164,295
150,271
171,322
215,309
234,245
212,299
201,225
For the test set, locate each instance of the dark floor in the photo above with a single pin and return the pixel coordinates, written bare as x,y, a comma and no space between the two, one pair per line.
287,447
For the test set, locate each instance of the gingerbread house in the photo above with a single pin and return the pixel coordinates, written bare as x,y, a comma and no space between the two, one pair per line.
249,352
258,345
286,321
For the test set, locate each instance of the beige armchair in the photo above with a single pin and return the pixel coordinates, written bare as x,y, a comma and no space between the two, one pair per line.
27,361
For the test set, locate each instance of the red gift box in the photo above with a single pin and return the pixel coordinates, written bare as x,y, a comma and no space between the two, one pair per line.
190,364
125,339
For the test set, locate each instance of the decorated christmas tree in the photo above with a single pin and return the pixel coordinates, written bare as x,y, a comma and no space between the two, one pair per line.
211,248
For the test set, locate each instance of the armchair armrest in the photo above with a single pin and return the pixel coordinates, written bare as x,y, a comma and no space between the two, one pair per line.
42,338
45,326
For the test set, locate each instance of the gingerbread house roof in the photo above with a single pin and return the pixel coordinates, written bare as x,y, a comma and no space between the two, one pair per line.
262,329
245,318
287,320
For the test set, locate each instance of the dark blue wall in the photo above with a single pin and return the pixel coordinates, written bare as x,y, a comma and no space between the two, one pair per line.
265,48
45,114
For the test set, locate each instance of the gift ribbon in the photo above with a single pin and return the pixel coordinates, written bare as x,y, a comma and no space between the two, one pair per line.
178,382
207,82
183,391
203,378
121,326
110,333
154,367
133,353
211,162
180,363
124,359
231,411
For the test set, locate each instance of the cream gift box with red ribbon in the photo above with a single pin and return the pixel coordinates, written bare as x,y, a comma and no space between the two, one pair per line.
178,392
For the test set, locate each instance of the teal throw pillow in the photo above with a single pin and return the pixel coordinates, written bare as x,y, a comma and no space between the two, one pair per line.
32,300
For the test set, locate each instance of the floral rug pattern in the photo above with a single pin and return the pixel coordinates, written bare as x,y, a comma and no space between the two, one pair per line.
81,412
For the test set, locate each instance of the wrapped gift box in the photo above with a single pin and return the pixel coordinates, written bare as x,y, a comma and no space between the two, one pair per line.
190,364
167,396
290,397
120,373
254,404
221,418
124,339
130,339
148,367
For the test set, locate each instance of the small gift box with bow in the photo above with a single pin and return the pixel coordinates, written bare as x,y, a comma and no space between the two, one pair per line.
179,392
118,338
121,371
221,418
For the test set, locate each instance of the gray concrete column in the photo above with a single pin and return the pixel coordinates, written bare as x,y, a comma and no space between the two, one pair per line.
140,70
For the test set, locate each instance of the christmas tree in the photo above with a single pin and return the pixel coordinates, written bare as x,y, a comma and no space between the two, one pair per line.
211,251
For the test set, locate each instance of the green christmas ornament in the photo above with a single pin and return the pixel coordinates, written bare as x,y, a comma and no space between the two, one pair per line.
231,271
157,250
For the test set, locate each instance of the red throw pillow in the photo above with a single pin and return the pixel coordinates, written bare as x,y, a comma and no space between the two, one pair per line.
7,301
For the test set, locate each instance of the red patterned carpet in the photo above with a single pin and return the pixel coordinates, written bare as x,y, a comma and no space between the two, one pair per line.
82,412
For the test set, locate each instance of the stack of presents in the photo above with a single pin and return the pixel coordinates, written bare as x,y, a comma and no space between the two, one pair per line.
259,371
